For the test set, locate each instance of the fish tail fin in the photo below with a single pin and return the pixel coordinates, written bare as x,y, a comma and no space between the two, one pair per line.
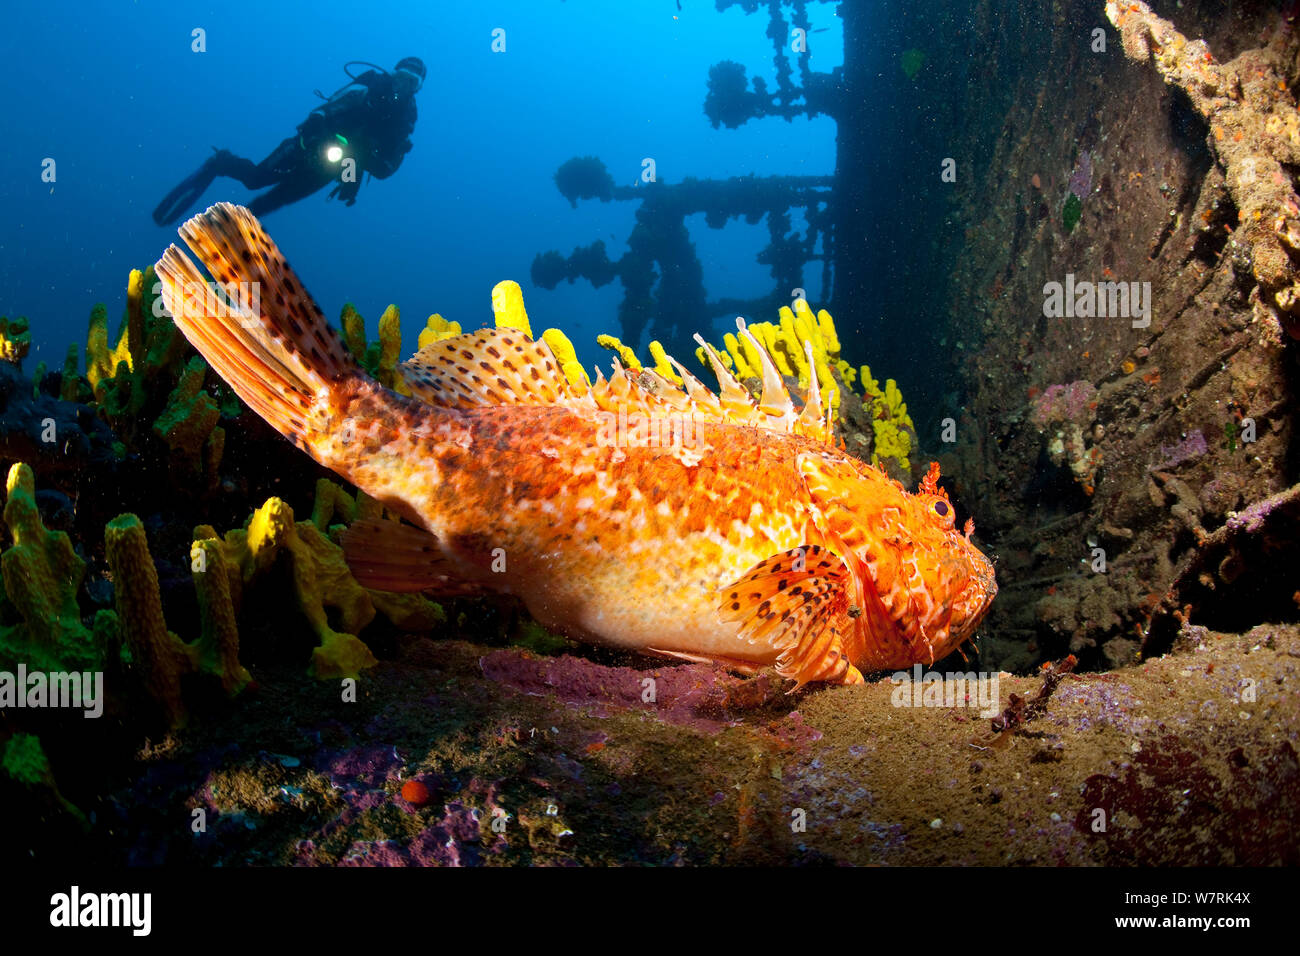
256,325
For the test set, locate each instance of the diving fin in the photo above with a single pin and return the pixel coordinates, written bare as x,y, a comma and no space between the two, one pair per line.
179,201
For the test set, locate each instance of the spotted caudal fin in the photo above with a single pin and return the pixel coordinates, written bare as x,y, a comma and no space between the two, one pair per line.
256,325
797,603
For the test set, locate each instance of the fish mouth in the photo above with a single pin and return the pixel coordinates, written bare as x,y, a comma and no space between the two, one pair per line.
981,589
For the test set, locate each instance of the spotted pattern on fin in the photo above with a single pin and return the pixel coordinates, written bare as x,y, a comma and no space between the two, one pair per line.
796,603
503,366
256,325
499,366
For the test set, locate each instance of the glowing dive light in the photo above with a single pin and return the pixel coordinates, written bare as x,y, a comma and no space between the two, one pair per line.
334,153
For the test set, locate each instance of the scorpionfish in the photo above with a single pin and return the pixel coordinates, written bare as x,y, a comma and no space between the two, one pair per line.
633,511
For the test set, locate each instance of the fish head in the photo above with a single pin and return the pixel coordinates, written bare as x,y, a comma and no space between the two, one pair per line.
953,582
922,586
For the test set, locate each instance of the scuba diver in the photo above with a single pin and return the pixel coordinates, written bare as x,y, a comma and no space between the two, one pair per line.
365,127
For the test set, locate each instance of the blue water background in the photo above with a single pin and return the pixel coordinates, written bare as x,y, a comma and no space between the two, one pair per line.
114,94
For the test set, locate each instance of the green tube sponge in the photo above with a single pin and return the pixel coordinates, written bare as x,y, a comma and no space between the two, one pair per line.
390,346
354,331
368,507
213,450
108,637
70,381
23,761
409,612
160,655
101,361
378,358
332,502
189,417
146,359
41,574
218,644
163,347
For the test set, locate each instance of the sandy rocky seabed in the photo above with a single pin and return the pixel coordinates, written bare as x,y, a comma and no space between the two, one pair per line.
1184,766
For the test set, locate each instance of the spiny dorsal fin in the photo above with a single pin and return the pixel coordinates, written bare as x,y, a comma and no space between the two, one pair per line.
498,366
732,396
811,420
775,400
503,366
696,390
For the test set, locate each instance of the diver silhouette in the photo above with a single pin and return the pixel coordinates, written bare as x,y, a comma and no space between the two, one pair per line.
365,127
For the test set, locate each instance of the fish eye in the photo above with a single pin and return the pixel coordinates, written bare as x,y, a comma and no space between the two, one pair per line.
941,508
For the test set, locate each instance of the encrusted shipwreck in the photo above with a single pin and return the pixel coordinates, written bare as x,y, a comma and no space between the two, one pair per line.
1254,132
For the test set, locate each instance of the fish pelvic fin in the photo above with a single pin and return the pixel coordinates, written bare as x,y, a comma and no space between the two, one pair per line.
797,603
256,325
390,556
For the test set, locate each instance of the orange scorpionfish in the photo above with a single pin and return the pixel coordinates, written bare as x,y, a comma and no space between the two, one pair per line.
755,543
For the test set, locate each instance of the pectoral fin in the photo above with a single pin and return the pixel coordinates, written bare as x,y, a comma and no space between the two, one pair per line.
797,603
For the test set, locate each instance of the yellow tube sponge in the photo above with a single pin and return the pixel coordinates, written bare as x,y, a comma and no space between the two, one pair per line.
767,333
436,329
891,442
703,357
786,344
101,361
826,325
268,529
742,353
889,419
161,657
567,358
625,354
662,366
134,338
15,339
409,612
320,579
508,306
